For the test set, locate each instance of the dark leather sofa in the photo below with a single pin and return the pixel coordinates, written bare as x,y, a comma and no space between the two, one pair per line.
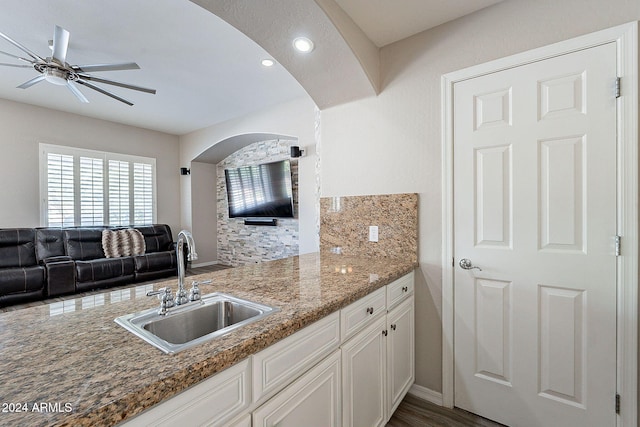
38,263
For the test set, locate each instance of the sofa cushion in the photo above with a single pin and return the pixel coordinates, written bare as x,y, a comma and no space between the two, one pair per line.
157,238
83,243
103,269
17,247
18,280
155,261
49,243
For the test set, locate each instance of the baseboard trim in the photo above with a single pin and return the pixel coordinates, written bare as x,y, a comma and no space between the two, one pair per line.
427,394
204,264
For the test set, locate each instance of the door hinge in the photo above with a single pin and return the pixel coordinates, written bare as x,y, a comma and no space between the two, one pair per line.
617,241
617,88
617,403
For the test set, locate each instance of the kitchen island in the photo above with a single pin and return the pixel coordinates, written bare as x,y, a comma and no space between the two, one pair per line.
68,363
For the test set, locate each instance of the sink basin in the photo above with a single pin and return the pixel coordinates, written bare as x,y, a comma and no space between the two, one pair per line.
194,323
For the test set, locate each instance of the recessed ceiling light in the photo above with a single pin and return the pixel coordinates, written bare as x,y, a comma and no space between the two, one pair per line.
303,44
267,62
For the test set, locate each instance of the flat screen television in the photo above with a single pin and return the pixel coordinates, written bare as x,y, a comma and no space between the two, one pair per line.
260,191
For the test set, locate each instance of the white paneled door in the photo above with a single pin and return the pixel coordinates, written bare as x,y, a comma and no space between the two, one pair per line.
535,211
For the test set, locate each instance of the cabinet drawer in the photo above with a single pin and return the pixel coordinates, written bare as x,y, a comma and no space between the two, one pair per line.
281,363
313,400
211,402
398,290
357,315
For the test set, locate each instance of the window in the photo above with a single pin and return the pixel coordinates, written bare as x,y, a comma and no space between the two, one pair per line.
84,187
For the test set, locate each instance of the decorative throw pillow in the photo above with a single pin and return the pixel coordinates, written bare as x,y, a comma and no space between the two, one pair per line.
111,243
125,242
138,246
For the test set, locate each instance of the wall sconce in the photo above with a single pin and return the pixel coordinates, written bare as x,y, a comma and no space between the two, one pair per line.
185,171
296,151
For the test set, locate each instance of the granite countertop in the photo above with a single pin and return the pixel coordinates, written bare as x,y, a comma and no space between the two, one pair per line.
68,363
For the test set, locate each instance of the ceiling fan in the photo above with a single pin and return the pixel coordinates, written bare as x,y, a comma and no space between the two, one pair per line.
57,71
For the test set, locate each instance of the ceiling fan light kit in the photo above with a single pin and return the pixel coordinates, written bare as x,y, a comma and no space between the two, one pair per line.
57,71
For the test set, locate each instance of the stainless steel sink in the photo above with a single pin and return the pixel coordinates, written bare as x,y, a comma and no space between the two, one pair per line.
183,327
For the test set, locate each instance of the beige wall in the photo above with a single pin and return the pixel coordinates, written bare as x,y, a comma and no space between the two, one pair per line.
295,119
204,201
23,127
391,143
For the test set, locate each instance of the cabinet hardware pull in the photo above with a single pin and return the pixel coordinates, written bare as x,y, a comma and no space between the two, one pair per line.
385,332
393,327
370,310
405,289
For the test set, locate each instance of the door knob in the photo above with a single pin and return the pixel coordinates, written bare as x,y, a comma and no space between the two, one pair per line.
467,264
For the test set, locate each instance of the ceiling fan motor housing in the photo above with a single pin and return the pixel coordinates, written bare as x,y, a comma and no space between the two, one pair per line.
56,76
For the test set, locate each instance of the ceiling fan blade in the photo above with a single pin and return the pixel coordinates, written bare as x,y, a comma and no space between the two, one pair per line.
74,89
17,57
60,44
102,91
16,65
106,67
35,56
31,82
114,83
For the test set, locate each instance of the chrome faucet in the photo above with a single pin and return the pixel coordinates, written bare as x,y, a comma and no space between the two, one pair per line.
184,236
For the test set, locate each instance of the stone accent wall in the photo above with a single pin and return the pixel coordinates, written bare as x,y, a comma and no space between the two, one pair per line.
240,244
345,221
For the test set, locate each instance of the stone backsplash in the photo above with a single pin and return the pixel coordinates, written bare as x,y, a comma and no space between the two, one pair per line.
345,221
240,244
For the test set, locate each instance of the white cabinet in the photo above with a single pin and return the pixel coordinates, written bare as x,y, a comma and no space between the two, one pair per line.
378,362
363,377
400,353
313,400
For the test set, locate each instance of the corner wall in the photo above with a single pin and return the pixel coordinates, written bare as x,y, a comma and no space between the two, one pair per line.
392,143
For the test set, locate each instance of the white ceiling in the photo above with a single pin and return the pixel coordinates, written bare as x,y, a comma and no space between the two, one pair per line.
204,70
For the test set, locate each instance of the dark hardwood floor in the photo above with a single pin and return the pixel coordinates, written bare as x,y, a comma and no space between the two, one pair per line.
415,412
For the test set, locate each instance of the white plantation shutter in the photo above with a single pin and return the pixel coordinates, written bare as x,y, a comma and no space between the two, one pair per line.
60,193
118,192
91,191
85,187
142,193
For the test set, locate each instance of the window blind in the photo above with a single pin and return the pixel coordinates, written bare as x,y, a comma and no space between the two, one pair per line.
86,187
142,193
91,191
118,192
60,190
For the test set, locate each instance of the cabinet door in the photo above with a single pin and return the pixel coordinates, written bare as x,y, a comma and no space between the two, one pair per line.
400,353
313,400
363,377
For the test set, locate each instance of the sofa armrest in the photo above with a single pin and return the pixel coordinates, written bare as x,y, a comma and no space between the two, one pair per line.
61,275
55,259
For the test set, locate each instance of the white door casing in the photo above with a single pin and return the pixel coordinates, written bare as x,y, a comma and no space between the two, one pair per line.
508,221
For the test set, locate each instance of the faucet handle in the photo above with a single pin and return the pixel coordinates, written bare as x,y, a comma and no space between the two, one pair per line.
162,292
166,299
194,293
